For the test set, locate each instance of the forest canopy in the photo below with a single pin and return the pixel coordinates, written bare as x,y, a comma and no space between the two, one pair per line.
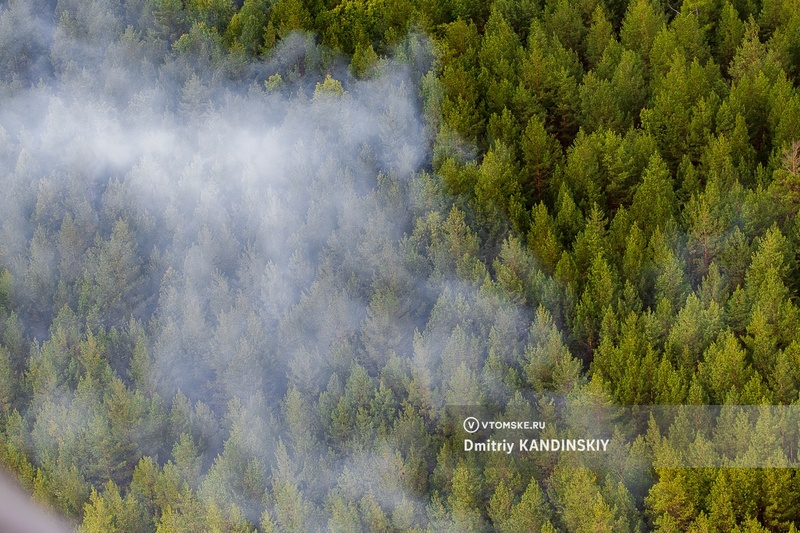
250,251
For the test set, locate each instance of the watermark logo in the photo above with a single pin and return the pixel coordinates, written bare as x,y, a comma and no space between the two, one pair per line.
471,424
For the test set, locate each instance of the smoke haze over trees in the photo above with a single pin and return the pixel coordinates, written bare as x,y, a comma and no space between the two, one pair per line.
250,250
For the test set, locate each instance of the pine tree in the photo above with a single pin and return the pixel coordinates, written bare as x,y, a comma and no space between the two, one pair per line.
498,61
541,153
654,201
724,369
246,27
543,242
640,25
596,300
671,502
581,503
550,366
285,16
729,34
464,500
599,36
531,513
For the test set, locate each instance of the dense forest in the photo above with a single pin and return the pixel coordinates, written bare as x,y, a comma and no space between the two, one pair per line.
249,252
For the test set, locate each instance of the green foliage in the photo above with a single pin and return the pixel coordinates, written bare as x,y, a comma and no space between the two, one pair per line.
285,16
609,209
169,18
654,199
329,88
246,27
642,22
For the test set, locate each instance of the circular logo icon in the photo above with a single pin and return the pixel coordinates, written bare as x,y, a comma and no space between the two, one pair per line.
471,424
